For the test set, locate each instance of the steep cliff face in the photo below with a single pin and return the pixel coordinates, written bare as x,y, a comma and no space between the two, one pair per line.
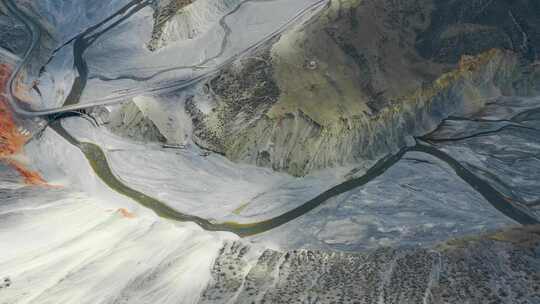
358,79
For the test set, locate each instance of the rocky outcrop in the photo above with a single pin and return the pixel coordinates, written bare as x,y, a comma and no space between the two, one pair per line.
131,122
361,77
244,93
178,20
163,13
495,268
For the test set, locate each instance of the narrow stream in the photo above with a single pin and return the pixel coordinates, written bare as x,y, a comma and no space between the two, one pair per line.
163,87
100,165
492,195
98,161
83,41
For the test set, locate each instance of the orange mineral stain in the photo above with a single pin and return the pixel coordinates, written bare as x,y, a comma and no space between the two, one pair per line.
125,213
12,139
30,177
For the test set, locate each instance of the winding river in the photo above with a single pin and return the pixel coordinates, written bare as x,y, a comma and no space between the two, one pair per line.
83,41
99,163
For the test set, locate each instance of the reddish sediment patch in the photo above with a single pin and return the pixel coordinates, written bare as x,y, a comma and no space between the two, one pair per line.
125,213
12,139
30,177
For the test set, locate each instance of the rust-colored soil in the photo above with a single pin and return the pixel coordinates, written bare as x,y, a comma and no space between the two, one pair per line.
12,139
125,213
